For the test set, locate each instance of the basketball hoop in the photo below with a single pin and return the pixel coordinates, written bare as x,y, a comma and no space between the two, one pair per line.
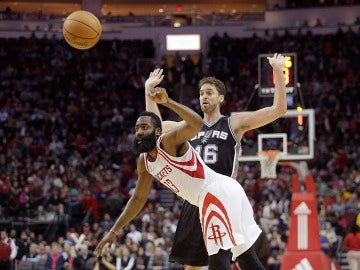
268,161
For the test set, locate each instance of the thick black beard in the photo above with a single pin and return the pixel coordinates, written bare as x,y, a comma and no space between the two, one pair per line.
148,143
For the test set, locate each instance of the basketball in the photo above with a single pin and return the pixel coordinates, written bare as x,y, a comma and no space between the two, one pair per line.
82,29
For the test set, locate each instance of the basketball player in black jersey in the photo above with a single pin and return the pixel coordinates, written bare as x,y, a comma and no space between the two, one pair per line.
219,145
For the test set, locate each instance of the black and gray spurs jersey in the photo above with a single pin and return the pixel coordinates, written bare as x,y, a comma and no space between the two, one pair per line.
217,145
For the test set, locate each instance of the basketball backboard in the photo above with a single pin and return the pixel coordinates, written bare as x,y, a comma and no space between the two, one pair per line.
293,134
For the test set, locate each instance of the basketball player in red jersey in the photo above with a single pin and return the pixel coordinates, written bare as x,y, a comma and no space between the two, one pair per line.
226,215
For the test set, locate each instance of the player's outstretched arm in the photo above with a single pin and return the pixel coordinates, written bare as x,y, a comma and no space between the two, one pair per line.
132,208
279,103
155,78
244,121
190,126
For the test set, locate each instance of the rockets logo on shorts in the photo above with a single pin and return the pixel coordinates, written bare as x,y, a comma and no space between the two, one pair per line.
216,235
215,221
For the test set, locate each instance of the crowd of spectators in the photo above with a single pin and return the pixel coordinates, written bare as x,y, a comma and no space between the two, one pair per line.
66,130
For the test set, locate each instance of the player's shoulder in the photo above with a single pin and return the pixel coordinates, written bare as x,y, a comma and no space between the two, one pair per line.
141,165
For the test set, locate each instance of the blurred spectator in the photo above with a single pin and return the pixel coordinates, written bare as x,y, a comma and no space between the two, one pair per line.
33,254
84,260
269,221
69,264
8,251
325,245
134,234
159,260
90,203
107,222
69,254
43,214
328,232
55,260
124,258
57,147
339,205
351,245
353,203
44,250
62,219
21,243
275,241
141,259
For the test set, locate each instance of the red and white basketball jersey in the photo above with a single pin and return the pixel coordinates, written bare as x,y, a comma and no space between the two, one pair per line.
226,214
187,175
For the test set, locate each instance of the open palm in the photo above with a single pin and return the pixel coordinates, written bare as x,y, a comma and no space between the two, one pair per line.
154,79
277,61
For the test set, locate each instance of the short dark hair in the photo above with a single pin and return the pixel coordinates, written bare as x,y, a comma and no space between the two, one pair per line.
219,85
154,119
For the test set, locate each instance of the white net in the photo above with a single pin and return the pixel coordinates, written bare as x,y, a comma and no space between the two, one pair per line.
268,161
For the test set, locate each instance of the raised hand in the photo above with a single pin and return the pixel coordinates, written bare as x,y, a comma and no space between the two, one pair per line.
158,95
154,79
277,61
